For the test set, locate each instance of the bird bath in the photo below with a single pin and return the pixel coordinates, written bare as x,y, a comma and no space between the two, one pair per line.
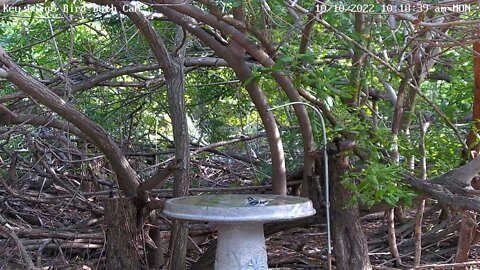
240,219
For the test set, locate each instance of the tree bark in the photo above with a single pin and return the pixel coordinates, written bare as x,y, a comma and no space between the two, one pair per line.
472,135
178,114
123,237
424,124
468,225
466,234
396,121
349,243
155,253
358,58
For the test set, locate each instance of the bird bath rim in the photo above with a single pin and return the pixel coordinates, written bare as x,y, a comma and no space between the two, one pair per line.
234,208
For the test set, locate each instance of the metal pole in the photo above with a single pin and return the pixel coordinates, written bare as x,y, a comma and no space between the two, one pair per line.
325,168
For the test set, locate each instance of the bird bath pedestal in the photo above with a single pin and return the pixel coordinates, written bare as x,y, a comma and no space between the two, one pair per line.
240,219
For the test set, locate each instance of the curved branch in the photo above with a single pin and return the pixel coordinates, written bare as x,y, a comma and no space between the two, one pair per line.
212,7
263,58
42,121
257,96
460,177
127,179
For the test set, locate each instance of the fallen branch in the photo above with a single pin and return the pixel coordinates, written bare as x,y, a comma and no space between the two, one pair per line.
443,194
4,228
460,177
215,145
39,233
447,265
65,245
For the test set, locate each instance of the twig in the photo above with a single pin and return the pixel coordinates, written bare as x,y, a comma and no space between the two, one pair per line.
424,123
447,265
40,250
5,228
65,245
212,146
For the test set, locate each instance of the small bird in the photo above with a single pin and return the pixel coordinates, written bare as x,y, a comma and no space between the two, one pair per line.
257,202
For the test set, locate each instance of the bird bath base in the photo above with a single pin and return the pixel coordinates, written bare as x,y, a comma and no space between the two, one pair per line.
240,219
242,246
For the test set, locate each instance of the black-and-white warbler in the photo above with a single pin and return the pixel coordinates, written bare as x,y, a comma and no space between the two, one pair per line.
257,202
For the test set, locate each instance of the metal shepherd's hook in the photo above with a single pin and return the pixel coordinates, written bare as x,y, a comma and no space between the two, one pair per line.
325,165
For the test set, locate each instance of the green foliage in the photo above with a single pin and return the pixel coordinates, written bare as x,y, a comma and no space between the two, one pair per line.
231,3
378,183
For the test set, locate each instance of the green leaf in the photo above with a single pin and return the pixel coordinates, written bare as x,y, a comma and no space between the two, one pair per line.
32,16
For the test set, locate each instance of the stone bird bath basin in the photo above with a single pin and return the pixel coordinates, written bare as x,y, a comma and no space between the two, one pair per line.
240,219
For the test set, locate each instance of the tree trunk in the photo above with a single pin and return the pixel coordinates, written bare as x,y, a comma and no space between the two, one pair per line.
466,235
178,114
467,227
172,65
358,59
472,135
123,237
349,243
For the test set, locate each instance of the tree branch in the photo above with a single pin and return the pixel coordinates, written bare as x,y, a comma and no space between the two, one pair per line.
244,73
42,121
443,194
156,180
460,177
126,177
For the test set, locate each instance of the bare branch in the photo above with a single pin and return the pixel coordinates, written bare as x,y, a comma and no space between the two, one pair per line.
127,178
156,180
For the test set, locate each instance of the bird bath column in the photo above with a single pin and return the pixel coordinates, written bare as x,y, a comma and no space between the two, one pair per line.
241,246
240,219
